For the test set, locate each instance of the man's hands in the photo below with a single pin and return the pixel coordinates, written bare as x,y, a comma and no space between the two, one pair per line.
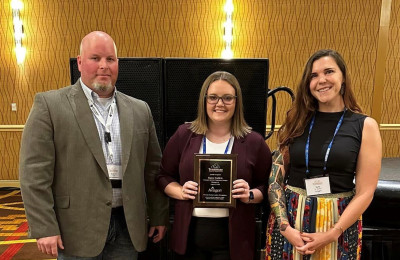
49,245
157,233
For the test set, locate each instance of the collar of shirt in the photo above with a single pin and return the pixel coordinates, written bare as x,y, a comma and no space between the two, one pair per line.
93,96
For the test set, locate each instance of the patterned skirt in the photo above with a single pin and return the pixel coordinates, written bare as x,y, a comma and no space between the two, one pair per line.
314,214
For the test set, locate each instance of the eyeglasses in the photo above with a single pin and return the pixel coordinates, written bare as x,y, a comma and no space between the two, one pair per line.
226,99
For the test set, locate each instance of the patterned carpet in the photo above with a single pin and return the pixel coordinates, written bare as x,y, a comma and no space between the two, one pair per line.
14,243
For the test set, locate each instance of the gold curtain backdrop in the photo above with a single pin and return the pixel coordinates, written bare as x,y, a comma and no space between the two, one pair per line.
286,32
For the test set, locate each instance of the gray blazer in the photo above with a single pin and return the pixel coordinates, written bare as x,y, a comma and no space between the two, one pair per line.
63,174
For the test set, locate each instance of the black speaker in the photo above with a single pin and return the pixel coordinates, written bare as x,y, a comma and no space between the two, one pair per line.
183,80
140,78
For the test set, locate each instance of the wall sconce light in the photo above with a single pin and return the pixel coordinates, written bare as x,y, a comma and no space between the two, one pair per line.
227,53
20,51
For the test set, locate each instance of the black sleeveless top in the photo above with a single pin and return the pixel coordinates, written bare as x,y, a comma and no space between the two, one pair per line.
342,160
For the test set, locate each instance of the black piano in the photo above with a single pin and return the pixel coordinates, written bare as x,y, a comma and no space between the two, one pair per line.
381,221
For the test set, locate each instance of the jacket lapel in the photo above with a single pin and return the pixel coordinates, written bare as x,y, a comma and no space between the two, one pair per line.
126,122
86,123
239,146
195,143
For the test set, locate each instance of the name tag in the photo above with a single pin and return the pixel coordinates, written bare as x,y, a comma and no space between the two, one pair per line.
114,171
317,186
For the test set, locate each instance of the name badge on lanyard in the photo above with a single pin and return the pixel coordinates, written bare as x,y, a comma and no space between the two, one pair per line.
106,124
114,171
319,185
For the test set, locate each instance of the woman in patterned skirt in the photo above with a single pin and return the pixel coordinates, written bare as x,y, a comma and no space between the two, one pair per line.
325,143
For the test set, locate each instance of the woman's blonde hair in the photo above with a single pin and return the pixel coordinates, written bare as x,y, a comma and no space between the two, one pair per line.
239,127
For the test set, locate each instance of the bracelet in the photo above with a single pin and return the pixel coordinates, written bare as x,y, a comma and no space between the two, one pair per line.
339,228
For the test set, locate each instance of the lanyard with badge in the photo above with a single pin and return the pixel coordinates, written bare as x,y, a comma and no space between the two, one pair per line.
319,185
204,145
114,170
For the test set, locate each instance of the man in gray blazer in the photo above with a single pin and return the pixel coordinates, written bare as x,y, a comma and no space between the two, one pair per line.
88,162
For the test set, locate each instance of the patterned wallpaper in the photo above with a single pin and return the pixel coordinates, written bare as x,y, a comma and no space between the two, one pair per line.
287,32
391,90
391,97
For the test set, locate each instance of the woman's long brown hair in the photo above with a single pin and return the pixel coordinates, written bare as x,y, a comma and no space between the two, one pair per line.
305,105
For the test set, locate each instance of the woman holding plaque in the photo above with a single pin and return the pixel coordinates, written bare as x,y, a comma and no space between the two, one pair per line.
220,128
325,143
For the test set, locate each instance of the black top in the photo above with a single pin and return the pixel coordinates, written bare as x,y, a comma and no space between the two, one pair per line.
342,160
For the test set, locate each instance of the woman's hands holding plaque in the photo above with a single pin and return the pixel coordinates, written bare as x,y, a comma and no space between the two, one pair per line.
241,190
189,190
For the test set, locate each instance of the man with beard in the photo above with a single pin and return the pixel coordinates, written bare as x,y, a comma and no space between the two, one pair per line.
88,162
